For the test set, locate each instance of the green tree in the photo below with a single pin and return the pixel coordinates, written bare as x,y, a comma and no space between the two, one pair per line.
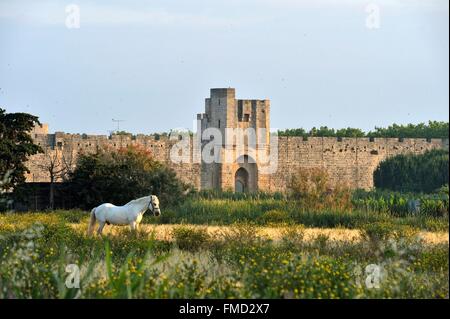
120,176
434,129
414,173
323,131
16,145
293,132
350,132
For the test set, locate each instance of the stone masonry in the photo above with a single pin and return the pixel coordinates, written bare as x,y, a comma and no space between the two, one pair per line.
347,160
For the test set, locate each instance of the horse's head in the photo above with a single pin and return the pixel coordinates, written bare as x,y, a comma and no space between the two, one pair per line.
153,205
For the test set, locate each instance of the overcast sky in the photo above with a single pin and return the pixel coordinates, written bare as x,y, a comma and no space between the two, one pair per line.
152,63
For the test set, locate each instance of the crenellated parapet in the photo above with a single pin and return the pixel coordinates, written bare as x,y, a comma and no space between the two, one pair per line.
347,160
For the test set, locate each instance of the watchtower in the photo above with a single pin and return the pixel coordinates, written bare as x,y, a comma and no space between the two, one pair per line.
239,130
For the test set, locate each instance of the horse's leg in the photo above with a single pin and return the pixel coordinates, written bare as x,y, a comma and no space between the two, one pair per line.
100,228
133,226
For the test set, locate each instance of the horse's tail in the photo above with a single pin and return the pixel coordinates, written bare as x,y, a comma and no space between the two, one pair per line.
92,222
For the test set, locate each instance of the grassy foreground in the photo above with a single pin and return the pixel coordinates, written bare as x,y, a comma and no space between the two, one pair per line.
39,252
268,210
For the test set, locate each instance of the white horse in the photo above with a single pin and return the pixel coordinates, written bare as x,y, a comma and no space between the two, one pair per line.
128,214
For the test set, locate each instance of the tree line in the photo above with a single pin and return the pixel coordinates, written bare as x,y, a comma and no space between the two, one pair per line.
432,129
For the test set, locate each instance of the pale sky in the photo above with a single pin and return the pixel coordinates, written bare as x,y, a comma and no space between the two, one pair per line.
152,63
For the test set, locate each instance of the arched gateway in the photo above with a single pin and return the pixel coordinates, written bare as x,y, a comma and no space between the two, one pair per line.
241,180
246,176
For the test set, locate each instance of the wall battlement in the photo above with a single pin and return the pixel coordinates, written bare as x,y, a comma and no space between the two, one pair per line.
347,160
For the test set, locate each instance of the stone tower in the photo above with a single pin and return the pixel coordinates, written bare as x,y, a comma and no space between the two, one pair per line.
237,164
234,132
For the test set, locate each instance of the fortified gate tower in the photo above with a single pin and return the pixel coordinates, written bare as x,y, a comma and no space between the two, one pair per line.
238,150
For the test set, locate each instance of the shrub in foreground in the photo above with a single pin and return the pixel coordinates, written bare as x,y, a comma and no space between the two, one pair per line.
190,238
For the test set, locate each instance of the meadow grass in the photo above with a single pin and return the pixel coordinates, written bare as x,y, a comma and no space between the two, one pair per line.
269,210
265,211
36,248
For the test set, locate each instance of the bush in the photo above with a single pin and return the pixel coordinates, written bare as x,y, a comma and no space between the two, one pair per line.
275,216
120,176
168,217
377,232
321,241
425,172
190,238
406,232
293,236
314,191
243,234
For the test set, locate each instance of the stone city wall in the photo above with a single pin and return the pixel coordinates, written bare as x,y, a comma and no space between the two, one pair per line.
351,161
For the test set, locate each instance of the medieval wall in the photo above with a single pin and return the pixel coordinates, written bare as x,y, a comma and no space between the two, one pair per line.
62,149
348,160
351,161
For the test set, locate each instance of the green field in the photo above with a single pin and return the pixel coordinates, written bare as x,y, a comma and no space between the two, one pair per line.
36,248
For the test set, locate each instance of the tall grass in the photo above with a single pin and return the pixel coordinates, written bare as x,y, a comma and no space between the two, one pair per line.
400,204
33,263
269,211
225,212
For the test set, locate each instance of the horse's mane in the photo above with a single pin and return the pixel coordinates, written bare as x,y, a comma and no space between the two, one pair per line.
134,201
